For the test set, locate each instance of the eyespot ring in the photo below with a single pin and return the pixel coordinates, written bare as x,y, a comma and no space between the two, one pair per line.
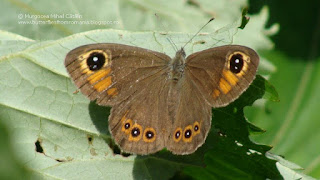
187,134
135,133
149,135
89,64
238,63
177,135
196,128
126,126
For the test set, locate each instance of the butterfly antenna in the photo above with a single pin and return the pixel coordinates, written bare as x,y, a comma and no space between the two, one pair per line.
168,38
198,32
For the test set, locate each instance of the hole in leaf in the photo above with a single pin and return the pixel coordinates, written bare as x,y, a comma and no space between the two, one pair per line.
116,149
90,139
199,42
60,160
125,154
193,3
39,148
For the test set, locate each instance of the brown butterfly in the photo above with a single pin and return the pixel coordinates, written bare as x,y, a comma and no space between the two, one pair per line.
157,101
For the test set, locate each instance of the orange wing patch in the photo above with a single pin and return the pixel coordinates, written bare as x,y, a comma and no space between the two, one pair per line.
216,93
112,91
224,86
230,77
98,75
103,84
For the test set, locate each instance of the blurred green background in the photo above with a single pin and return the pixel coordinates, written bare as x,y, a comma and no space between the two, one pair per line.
299,21
291,59
293,124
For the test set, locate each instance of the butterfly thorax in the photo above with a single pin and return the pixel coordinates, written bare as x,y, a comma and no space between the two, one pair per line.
177,65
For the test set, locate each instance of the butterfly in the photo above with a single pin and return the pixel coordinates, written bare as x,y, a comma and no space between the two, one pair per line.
157,101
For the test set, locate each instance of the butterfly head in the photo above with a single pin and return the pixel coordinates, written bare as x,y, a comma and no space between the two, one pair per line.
181,53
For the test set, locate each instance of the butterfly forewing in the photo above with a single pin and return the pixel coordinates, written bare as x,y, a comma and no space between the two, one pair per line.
110,73
222,73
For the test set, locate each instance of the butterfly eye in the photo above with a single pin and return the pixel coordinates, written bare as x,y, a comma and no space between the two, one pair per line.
236,63
95,61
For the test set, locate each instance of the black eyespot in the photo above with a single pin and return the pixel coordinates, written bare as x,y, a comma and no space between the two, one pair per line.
95,61
149,134
135,132
127,125
196,128
177,135
236,63
188,133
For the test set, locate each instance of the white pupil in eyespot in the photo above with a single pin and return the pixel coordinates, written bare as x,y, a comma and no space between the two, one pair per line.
237,61
95,59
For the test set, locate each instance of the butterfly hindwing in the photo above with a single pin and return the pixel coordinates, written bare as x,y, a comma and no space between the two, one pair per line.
191,117
141,124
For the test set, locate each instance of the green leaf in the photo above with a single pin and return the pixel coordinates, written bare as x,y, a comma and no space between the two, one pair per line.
233,153
11,168
245,19
42,20
61,135
292,124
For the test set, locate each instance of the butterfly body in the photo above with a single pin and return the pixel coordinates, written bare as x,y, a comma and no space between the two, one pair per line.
177,65
157,101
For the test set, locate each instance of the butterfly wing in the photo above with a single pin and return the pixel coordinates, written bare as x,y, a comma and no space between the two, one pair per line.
134,82
212,78
141,124
111,73
222,74
191,117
